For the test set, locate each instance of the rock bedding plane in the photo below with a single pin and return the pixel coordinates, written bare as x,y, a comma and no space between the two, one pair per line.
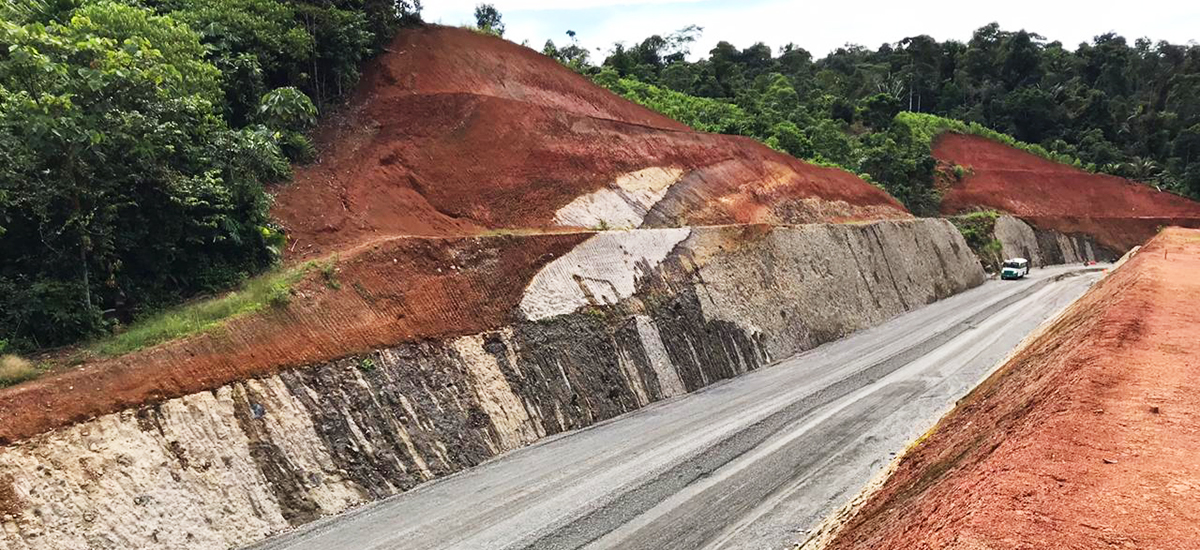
262,451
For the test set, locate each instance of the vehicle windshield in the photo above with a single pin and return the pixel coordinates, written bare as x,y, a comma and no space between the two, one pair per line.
1014,265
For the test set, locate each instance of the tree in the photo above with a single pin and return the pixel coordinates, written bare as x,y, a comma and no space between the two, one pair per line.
678,76
877,111
1020,58
1103,104
574,56
1032,114
788,137
487,19
123,187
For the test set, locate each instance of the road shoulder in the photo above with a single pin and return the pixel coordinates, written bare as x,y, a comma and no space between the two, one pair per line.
1084,438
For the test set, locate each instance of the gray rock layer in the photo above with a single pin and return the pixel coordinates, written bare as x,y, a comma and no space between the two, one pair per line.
229,467
1044,247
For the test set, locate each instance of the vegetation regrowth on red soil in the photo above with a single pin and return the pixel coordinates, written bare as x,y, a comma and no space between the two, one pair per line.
454,132
1086,438
1118,213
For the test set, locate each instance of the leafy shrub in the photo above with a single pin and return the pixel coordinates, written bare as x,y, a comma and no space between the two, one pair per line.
703,114
329,274
287,109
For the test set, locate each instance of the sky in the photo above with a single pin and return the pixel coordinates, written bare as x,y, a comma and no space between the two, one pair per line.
822,26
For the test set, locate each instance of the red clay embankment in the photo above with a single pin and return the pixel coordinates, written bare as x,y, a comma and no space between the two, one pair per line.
450,135
451,132
1116,212
1086,438
397,290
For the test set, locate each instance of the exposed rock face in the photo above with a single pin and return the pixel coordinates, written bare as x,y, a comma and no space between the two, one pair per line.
229,467
1045,247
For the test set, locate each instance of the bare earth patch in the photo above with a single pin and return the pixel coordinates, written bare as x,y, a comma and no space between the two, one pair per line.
1087,438
1116,212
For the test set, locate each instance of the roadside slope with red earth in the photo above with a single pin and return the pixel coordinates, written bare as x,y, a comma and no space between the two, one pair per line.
450,136
454,132
1118,213
1086,438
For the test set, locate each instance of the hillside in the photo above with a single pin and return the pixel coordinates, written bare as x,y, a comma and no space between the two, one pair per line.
454,132
452,141
1118,213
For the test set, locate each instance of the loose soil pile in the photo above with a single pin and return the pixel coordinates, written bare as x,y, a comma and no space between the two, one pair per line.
452,132
1085,439
1118,213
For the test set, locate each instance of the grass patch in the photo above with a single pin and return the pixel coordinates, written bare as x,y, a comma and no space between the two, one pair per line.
979,230
14,370
269,290
329,273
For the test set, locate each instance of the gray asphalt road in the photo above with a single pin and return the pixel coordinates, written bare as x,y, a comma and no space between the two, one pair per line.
749,463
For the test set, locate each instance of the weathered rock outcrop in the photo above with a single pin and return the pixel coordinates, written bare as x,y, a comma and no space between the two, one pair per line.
1044,247
624,319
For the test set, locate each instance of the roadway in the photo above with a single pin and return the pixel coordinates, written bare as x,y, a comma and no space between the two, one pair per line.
752,462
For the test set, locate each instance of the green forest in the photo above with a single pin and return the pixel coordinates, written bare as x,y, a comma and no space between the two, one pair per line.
1110,106
138,136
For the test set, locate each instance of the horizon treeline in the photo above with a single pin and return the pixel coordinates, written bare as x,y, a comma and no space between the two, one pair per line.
1129,109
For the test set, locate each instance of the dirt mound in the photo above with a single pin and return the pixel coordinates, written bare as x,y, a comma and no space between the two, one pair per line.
1085,439
452,132
1118,213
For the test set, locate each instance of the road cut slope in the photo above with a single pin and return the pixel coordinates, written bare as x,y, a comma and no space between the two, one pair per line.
453,132
491,344
734,466
1116,213
451,136
1085,439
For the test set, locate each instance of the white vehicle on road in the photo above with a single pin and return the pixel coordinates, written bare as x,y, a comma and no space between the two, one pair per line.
1015,268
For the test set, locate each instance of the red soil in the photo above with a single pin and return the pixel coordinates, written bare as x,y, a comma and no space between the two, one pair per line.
453,132
1119,213
450,133
392,291
1087,438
